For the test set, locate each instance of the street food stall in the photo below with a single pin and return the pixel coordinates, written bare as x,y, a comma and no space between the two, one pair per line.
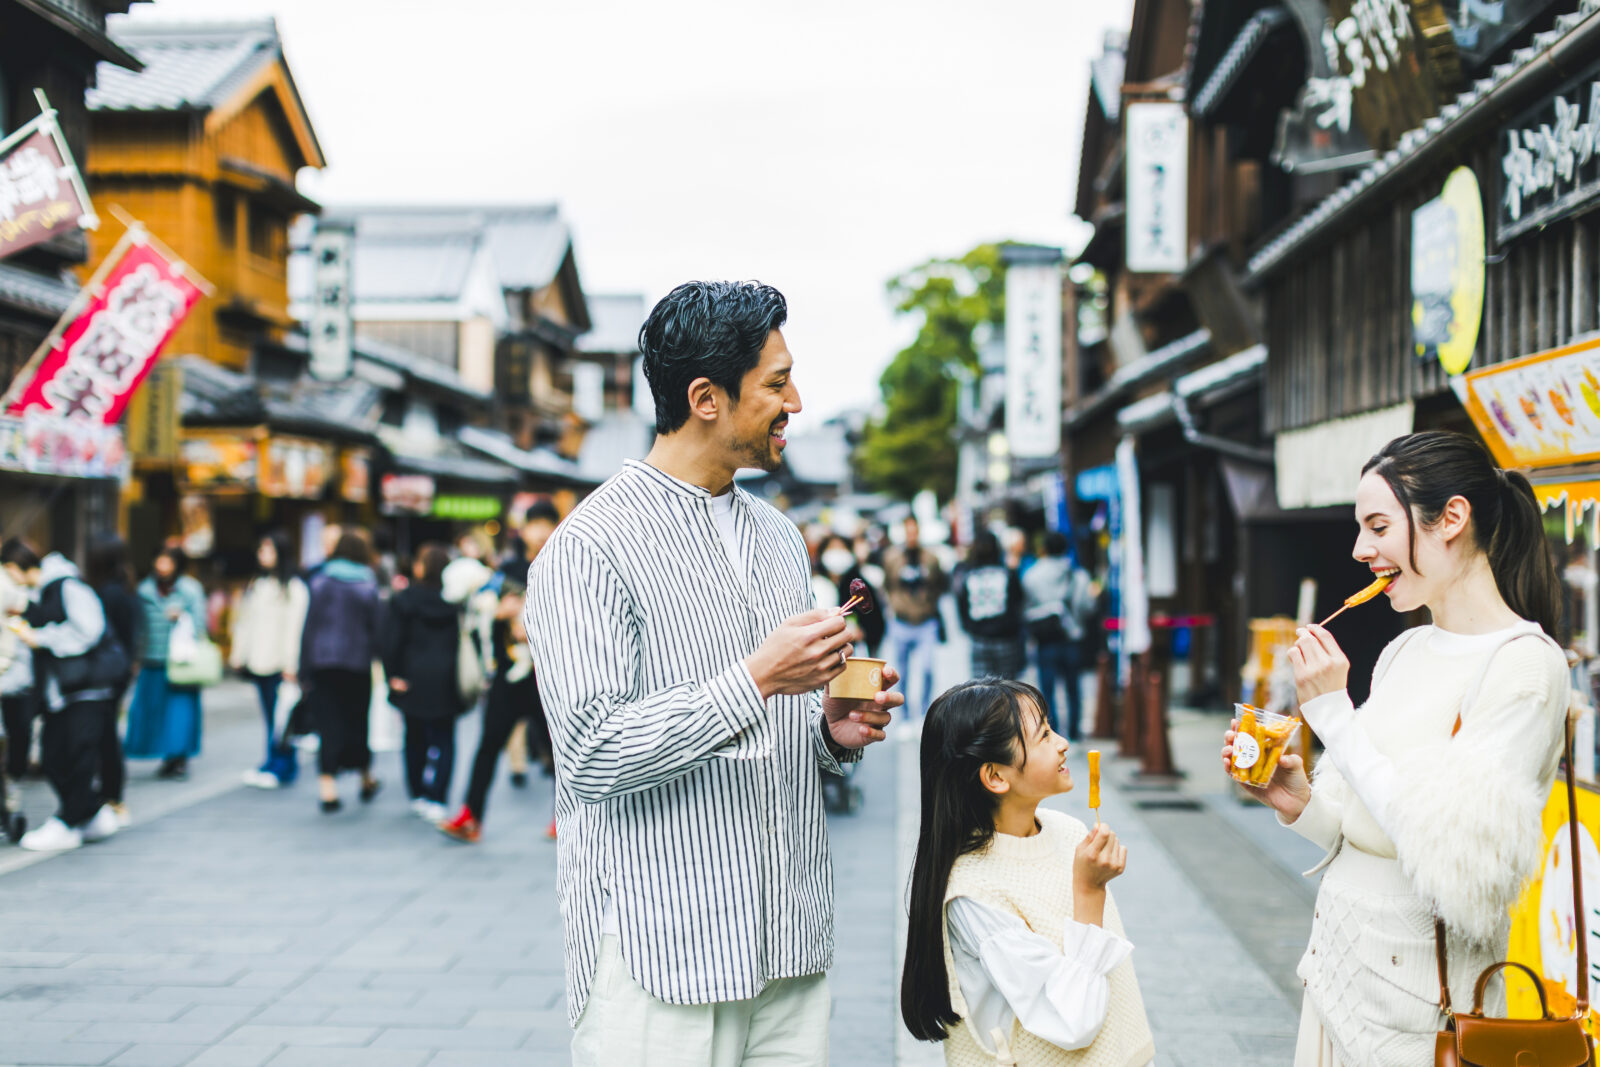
1541,415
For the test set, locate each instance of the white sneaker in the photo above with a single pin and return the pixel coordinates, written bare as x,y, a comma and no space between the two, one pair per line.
421,807
102,826
120,810
261,780
53,836
429,811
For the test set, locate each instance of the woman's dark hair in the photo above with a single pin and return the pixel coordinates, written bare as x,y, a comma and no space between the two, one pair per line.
284,569
108,563
180,560
709,330
433,558
972,724
1425,470
985,550
354,547
16,550
1055,543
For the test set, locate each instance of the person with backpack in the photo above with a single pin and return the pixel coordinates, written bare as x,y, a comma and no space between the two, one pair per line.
989,604
111,577
427,655
1058,598
78,664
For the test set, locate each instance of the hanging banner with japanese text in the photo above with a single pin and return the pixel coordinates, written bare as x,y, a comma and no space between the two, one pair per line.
41,192
105,344
1158,187
1033,359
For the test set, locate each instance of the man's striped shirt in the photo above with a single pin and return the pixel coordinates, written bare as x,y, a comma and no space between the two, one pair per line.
681,795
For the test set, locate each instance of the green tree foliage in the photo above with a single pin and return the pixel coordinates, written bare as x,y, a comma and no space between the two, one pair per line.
911,443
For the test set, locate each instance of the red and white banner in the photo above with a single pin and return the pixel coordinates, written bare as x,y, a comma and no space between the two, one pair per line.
41,191
108,340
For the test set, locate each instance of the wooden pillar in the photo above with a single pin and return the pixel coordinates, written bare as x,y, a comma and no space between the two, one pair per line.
1157,747
1105,692
1132,724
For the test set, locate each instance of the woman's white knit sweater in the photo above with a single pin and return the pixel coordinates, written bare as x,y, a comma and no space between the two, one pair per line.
1456,832
1032,877
267,625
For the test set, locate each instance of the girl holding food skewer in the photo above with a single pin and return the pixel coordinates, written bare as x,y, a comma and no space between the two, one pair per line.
1430,796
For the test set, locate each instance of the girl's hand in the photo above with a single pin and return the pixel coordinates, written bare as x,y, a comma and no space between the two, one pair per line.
399,685
1320,666
1290,789
1100,858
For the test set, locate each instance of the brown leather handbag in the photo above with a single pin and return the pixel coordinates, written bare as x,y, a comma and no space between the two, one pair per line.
1471,1040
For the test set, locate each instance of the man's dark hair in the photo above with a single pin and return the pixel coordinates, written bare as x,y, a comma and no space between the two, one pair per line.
541,511
16,550
709,330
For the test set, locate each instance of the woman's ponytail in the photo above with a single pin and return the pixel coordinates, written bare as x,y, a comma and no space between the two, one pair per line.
1520,556
1426,470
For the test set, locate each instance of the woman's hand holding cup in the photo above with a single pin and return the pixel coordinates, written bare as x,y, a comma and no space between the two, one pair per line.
1289,790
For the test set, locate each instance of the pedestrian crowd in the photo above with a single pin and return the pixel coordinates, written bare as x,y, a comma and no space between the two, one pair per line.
80,648
671,650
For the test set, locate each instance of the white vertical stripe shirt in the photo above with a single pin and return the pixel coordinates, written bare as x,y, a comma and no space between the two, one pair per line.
682,798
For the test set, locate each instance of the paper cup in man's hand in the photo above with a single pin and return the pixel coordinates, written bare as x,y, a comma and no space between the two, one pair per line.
861,679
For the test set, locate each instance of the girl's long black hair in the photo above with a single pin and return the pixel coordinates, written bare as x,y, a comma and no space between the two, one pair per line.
974,723
285,568
1427,469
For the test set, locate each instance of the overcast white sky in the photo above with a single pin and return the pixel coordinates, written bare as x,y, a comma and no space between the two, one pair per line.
820,146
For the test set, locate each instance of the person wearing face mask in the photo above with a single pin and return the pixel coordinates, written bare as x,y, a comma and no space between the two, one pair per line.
837,565
1430,796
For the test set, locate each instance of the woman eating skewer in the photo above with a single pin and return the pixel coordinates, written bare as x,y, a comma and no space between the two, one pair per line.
1429,796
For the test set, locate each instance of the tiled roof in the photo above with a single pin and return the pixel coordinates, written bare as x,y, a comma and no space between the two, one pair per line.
214,395
413,366
616,318
1472,108
35,292
187,66
540,462
527,245
1251,37
406,269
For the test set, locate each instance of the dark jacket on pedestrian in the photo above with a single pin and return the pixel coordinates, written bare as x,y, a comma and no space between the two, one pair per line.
76,656
125,616
343,615
989,601
421,642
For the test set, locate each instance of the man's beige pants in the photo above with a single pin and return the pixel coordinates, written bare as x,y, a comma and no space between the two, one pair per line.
785,1025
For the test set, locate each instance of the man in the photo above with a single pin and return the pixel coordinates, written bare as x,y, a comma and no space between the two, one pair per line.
679,658
529,735
913,582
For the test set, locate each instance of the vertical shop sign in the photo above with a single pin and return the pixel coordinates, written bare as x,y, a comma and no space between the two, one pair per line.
1447,273
330,326
104,345
1158,187
1033,359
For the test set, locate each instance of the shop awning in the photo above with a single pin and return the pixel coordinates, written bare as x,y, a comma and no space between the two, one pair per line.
1209,384
1320,465
453,466
1165,360
538,462
1539,411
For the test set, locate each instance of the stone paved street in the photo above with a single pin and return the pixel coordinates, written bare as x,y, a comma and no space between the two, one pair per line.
235,927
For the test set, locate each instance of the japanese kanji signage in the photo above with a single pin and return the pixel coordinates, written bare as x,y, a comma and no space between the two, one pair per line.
330,326
1386,73
1033,359
1158,187
41,192
105,344
1550,158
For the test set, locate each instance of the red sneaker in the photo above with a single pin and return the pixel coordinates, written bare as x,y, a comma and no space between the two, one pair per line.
464,827
551,832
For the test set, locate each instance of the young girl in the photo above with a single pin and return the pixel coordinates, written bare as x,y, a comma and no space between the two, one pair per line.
1428,798
1015,952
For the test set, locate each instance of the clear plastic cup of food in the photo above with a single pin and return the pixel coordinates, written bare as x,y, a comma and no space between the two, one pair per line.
1260,736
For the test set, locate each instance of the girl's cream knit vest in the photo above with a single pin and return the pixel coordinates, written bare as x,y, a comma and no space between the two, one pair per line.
1032,877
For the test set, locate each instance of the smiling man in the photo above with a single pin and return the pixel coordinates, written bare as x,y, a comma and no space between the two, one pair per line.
680,659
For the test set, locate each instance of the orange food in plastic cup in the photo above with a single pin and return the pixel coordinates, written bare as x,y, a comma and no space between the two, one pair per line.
1260,736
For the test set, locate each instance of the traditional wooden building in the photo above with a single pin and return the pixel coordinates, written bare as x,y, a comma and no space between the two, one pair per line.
61,48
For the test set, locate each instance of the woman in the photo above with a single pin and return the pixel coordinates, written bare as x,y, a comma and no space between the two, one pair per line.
110,576
337,647
836,563
164,720
421,650
1057,597
989,603
266,648
1429,796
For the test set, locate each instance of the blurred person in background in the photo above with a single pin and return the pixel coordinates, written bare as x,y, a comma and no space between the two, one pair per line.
1058,599
513,699
837,564
110,575
266,649
164,720
337,647
530,735
77,667
421,654
989,603
913,583
19,701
